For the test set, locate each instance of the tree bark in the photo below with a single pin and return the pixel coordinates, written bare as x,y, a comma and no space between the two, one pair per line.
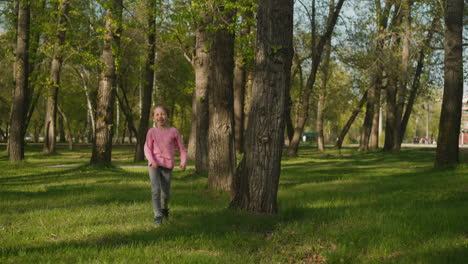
450,117
148,85
102,147
257,188
221,152
202,64
54,82
21,93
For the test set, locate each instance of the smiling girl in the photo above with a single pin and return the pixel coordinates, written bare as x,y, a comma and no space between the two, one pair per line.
159,151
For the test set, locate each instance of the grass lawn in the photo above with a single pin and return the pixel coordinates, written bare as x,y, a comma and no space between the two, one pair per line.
347,207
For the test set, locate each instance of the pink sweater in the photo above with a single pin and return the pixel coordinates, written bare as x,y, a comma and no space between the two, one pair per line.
160,146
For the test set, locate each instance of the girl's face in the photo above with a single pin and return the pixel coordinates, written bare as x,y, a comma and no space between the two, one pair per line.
160,117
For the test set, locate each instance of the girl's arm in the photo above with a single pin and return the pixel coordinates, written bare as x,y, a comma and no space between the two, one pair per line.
149,149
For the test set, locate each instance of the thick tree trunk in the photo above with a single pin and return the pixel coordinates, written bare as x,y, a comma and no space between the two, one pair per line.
202,64
390,116
450,117
102,147
21,93
221,152
259,170
354,114
317,51
148,85
55,69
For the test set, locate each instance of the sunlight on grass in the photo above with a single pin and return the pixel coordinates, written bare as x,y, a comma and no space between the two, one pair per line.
348,207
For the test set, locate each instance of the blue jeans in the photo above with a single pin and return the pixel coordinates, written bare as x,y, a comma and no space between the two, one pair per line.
160,188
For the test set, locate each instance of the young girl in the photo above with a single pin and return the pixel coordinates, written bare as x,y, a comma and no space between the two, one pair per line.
159,151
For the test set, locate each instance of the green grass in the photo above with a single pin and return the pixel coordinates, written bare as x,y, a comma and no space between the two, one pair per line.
347,207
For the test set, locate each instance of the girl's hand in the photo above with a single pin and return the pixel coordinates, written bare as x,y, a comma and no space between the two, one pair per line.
182,167
154,166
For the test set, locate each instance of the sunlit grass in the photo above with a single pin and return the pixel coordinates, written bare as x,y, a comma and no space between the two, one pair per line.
335,207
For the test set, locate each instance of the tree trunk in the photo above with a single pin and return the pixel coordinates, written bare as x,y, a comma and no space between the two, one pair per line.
344,131
239,91
317,55
20,106
257,188
394,74
390,117
69,135
61,129
374,135
202,64
323,91
54,82
148,87
221,152
193,129
403,75
368,119
239,83
450,117
102,147
416,80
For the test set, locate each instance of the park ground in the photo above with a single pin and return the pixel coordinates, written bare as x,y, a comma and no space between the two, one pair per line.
334,207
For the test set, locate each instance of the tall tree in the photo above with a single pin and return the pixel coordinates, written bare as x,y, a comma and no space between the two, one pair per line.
54,82
221,153
322,93
403,71
201,63
347,126
21,92
373,94
148,84
256,186
417,76
102,145
317,51
450,117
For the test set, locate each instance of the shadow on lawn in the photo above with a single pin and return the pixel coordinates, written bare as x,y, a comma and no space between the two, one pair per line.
225,230
87,186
